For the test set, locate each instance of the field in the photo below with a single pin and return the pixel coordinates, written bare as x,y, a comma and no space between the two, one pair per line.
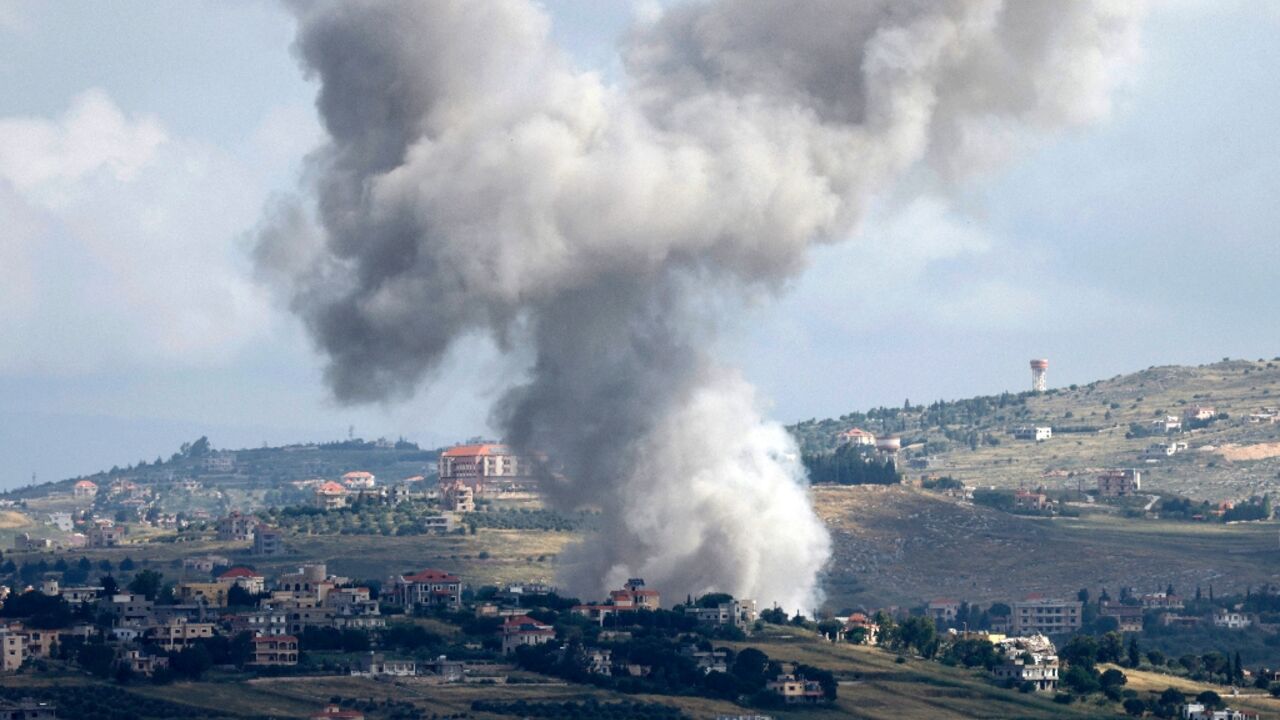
900,545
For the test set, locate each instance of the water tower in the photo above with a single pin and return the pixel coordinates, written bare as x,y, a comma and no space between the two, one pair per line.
1039,367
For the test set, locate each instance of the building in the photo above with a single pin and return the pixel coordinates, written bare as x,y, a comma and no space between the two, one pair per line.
457,496
485,467
634,594
62,521
84,489
1119,483
330,496
106,536
1197,711
1199,413
237,527
359,479
1231,620
126,608
334,712
1128,617
1045,616
1161,601
1027,500
177,634
795,690
268,541
862,629
249,580
738,613
943,610
1170,423
1028,660
429,588
524,630
205,563
1038,433
209,593
275,650
260,622
375,664
14,649
858,436
27,709
1039,374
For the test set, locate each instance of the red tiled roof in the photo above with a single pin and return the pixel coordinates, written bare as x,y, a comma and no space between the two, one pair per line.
429,575
86,483
331,488
239,572
473,450
357,474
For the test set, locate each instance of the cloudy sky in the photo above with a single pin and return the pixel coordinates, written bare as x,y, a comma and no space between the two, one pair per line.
139,144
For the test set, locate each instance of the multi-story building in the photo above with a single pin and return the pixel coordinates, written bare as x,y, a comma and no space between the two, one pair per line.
1231,620
84,489
524,630
177,634
1045,616
796,690
275,650
1128,617
457,496
359,479
429,587
738,613
260,622
249,580
330,496
14,649
858,436
1038,433
127,608
237,527
943,610
106,536
485,467
1119,483
1200,413
268,541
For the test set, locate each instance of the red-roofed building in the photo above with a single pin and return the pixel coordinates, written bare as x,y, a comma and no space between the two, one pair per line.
487,466
858,436
359,479
524,630
251,581
429,587
330,496
944,610
84,489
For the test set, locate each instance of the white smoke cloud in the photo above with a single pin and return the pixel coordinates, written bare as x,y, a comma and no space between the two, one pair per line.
474,181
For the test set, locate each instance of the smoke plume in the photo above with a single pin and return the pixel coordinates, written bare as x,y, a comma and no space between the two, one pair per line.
475,181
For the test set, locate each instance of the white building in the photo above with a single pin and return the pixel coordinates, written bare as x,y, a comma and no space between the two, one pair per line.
1038,433
1231,620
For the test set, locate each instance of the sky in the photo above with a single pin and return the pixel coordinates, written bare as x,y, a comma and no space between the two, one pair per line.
140,143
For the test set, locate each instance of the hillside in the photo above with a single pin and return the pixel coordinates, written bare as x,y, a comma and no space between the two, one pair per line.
1094,427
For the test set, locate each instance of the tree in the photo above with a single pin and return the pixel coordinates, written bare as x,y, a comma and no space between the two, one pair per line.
1081,650
1210,699
1113,678
830,628
1135,707
1111,648
1135,654
1083,595
147,583
1081,679
109,586
237,596
127,564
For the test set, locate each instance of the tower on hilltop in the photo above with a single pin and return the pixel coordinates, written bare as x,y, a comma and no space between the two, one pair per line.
1039,368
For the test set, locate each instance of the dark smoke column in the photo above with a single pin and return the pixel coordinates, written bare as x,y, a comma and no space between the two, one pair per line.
474,181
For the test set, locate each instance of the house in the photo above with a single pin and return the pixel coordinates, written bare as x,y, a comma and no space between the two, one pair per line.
943,610
1186,622
738,613
84,489
1028,660
1119,483
14,649
1128,617
77,595
205,563
177,634
1231,620
106,536
1200,413
330,496
457,496
275,650
524,630
126,608
1197,711
1161,601
359,479
27,709
708,661
634,594
1045,616
795,690
485,467
445,670
249,580
1027,500
142,663
268,541
1038,433
375,664
211,593
220,462
23,542
260,622
334,712
237,527
1170,423
429,588
62,521
858,627
859,437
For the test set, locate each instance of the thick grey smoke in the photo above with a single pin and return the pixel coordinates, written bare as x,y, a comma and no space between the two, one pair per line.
475,181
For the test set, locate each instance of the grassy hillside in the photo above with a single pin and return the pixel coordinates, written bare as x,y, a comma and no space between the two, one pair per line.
970,440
